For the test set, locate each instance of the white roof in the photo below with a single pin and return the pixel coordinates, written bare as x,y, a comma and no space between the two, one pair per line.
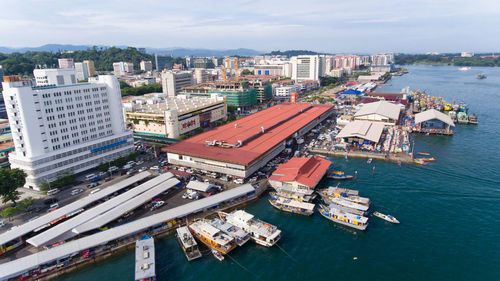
433,114
242,215
199,186
142,246
362,129
182,232
53,234
121,209
26,228
383,108
21,265
295,203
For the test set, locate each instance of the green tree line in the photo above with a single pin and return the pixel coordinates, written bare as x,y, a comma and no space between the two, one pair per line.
128,90
445,59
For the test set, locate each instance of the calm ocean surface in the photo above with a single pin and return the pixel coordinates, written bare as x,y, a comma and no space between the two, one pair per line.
449,210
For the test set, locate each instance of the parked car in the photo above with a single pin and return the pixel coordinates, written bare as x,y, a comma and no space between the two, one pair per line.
154,168
224,178
2,224
53,191
53,207
142,169
112,168
92,185
238,181
76,191
102,174
108,179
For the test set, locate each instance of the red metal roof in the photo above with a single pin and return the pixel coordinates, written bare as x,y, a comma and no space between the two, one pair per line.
307,171
279,122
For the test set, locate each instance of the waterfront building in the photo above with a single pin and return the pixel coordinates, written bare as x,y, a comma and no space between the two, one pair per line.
146,65
123,68
382,111
66,63
466,54
433,121
173,81
382,59
242,147
361,132
163,62
64,128
306,67
90,67
54,76
81,70
300,172
171,117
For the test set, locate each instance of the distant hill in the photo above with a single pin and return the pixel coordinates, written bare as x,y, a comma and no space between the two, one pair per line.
176,52
291,53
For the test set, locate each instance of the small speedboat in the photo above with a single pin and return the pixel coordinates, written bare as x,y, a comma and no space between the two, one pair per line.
369,161
431,159
424,153
218,255
338,175
420,162
388,218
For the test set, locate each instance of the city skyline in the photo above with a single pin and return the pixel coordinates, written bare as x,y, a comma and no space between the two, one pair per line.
364,27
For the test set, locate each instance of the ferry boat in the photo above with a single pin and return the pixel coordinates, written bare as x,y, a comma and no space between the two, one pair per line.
341,217
239,235
338,175
346,194
301,194
473,119
261,232
188,243
145,259
349,204
290,205
212,237
388,218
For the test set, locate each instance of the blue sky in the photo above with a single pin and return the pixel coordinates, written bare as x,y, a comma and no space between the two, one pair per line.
330,26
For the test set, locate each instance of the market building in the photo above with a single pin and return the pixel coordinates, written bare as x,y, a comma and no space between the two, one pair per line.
300,172
381,111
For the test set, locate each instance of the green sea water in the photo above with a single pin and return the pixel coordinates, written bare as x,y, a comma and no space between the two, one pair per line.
449,210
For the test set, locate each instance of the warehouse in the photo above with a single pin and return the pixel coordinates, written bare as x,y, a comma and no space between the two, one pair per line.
242,147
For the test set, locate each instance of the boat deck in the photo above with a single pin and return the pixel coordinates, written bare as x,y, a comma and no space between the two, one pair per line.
145,259
188,243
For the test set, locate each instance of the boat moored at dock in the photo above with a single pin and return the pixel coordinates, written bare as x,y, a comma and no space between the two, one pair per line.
301,194
239,235
347,194
344,218
338,175
291,205
212,237
188,243
261,232
145,259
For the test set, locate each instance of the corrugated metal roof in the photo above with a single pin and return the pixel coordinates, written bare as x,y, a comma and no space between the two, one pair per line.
21,265
26,228
199,186
307,171
52,234
362,129
383,108
433,114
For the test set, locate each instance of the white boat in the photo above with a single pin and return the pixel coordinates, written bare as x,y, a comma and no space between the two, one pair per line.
347,219
349,204
239,235
261,232
217,255
188,243
328,194
465,68
305,194
291,205
388,218
369,161
212,237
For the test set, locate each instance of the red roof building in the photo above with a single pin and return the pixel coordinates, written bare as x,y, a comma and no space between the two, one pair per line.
243,146
300,172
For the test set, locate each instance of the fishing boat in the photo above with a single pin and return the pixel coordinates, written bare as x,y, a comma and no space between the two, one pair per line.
462,117
346,194
481,76
344,218
212,237
303,194
388,218
338,175
239,235
145,259
349,204
290,205
369,161
188,243
431,159
419,161
217,255
473,119
262,233
424,153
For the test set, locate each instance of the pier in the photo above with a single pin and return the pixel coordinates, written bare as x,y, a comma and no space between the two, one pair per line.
403,157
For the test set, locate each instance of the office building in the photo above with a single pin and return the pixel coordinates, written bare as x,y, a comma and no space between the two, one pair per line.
81,70
284,92
55,76
201,75
238,94
172,81
66,63
64,128
163,62
146,65
382,59
123,68
306,67
90,67
171,117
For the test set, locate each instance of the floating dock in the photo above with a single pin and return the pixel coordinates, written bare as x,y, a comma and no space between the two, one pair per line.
145,259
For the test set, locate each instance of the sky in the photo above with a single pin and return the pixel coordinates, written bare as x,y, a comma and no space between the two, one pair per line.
347,26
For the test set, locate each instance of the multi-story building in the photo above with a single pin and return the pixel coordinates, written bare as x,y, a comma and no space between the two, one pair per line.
201,75
55,76
90,67
382,59
262,86
123,68
352,62
306,67
163,62
172,117
146,65
237,94
64,128
66,63
203,63
81,69
283,92
466,54
172,81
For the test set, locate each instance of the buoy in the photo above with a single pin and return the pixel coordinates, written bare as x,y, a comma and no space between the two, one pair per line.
355,258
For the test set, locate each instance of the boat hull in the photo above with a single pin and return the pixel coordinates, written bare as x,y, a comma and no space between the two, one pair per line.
213,247
327,216
192,255
290,210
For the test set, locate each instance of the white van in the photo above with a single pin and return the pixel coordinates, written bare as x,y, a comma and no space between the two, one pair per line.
95,191
90,176
53,191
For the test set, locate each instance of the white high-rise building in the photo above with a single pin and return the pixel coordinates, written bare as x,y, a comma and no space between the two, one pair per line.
65,128
201,75
66,63
123,68
55,76
382,59
82,71
146,65
307,67
172,82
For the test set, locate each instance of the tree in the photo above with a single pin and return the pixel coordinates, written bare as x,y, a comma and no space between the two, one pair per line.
10,180
8,212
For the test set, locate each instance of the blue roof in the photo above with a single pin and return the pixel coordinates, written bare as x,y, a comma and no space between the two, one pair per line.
352,92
